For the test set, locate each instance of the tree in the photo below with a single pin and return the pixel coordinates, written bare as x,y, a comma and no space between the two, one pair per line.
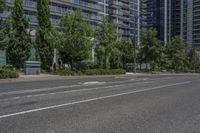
45,48
150,48
2,25
2,5
19,45
192,55
106,35
115,58
75,40
121,53
176,53
5,30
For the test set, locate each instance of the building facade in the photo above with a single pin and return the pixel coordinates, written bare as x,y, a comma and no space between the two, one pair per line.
124,13
157,15
120,12
93,10
190,23
196,25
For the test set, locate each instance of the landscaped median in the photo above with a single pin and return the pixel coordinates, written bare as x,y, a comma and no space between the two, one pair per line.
67,72
7,73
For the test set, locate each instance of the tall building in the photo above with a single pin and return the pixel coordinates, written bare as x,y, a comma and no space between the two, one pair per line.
158,16
121,12
93,10
175,17
124,13
190,29
196,25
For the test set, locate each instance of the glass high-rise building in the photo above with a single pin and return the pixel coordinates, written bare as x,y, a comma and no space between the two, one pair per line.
158,16
190,23
120,12
196,25
124,13
93,10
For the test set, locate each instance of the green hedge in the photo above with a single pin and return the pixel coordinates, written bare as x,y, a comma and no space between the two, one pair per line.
104,72
67,72
5,74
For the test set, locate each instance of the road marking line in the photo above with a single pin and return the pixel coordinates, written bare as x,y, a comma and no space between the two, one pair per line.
62,87
73,91
93,83
92,99
38,90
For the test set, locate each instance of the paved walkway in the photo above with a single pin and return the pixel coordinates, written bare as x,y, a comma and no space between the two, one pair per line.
26,78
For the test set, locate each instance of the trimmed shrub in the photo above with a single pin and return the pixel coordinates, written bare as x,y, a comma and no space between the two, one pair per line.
68,72
65,72
104,72
5,74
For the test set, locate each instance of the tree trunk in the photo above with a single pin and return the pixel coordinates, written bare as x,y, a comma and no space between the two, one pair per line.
72,63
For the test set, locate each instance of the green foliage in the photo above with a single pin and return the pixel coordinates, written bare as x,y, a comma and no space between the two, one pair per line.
68,72
150,48
115,58
104,72
5,30
193,60
45,35
113,51
65,72
75,42
125,52
5,73
177,54
106,35
2,5
19,44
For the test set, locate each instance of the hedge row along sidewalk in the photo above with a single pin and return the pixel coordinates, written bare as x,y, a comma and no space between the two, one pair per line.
67,72
5,74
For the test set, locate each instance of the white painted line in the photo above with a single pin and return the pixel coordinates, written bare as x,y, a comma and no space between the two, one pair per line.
79,90
16,98
65,87
38,90
94,82
60,87
89,100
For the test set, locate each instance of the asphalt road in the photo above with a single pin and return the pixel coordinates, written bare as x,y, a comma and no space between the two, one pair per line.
114,104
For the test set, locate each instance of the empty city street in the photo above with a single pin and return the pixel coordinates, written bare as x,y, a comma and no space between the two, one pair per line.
110,104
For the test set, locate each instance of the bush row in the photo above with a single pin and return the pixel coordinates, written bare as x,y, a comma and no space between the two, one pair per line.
104,72
67,72
5,74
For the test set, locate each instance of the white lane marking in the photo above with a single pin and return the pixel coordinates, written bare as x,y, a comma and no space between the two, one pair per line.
93,83
89,100
65,87
16,98
38,90
143,79
73,91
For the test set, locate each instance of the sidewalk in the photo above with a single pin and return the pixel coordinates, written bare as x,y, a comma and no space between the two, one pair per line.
41,77
23,77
